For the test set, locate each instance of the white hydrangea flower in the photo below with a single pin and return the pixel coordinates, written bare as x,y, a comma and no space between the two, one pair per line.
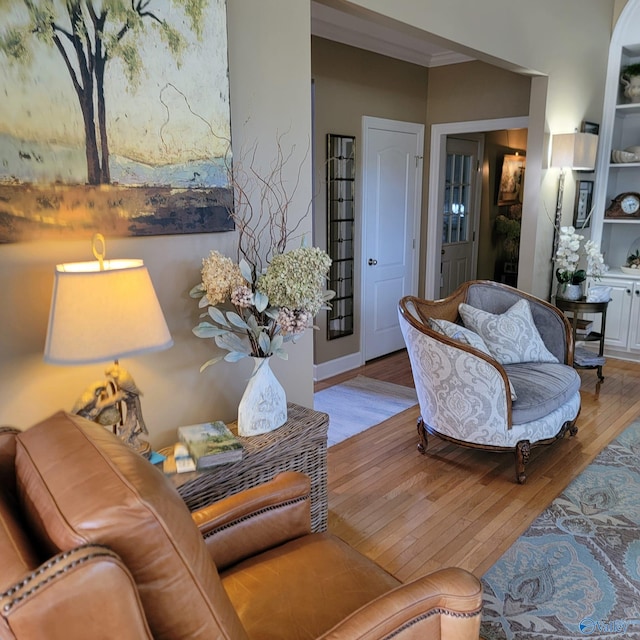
266,311
242,297
220,275
293,322
294,280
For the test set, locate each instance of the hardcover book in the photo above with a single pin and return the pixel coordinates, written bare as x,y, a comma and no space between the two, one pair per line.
210,444
583,327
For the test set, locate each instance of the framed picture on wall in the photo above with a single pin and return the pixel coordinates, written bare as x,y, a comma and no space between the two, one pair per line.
584,197
590,127
137,146
512,168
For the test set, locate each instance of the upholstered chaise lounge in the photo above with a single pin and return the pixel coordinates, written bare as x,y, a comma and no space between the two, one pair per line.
506,384
96,544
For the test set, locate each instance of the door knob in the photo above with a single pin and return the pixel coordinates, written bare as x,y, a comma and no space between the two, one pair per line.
372,262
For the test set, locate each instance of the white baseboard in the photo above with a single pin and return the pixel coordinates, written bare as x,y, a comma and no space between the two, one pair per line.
339,365
620,355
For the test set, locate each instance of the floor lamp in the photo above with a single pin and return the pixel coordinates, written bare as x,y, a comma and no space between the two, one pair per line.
573,152
101,311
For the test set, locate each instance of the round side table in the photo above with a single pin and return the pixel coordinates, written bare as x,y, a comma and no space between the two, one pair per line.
576,307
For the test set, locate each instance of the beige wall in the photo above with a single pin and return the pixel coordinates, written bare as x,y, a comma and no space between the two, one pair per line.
351,83
475,91
567,42
469,92
270,80
264,67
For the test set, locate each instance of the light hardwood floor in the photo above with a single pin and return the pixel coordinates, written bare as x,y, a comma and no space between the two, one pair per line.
455,506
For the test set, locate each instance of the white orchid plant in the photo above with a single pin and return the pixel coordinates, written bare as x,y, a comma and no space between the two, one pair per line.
569,253
254,315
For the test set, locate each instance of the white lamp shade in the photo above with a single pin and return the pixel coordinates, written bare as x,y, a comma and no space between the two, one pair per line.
574,151
99,315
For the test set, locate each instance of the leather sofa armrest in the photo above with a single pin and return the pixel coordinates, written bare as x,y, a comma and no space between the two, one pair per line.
256,519
446,604
83,593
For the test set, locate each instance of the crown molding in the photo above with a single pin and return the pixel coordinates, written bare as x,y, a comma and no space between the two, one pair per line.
356,31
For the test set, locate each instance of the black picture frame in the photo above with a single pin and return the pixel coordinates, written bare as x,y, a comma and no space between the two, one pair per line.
590,127
582,208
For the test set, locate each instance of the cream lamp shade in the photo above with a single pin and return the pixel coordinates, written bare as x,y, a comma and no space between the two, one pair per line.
574,151
103,311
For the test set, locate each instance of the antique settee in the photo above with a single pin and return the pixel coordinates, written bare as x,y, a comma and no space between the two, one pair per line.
95,543
502,380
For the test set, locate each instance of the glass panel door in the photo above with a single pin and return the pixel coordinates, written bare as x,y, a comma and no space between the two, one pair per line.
457,194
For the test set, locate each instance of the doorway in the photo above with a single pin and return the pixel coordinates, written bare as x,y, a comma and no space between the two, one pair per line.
437,180
391,204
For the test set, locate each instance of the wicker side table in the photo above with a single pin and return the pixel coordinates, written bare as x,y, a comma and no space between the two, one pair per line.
300,444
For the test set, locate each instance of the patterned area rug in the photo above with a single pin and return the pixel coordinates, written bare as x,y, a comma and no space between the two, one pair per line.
575,573
360,403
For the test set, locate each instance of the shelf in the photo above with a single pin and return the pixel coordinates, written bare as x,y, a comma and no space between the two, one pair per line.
592,336
624,165
620,130
628,108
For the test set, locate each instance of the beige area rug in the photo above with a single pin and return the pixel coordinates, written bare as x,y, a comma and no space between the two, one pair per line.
360,403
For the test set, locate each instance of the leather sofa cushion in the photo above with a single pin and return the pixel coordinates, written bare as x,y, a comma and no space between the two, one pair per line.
80,484
19,557
541,388
311,600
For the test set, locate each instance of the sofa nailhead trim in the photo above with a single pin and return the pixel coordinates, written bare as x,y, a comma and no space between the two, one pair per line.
46,567
255,514
433,612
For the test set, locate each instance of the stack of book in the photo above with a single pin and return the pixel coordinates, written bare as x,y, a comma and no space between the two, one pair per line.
583,327
210,444
585,358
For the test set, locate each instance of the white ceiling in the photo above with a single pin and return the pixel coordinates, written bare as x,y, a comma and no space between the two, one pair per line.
359,31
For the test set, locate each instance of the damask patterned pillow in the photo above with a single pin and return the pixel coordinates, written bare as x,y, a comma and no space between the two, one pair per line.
466,336
460,333
511,337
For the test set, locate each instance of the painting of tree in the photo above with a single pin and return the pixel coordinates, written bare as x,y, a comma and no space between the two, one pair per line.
141,88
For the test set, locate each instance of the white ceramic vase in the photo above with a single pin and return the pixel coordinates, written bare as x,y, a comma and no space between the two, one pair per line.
263,406
567,291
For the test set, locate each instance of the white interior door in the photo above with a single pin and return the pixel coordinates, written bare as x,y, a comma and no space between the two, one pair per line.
460,210
391,200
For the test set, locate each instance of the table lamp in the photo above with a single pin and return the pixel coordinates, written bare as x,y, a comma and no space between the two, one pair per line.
100,311
576,152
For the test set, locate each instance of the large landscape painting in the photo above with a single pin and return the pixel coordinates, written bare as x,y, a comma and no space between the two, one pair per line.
114,118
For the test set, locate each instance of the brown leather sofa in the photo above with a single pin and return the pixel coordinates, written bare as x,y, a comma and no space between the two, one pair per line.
95,543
